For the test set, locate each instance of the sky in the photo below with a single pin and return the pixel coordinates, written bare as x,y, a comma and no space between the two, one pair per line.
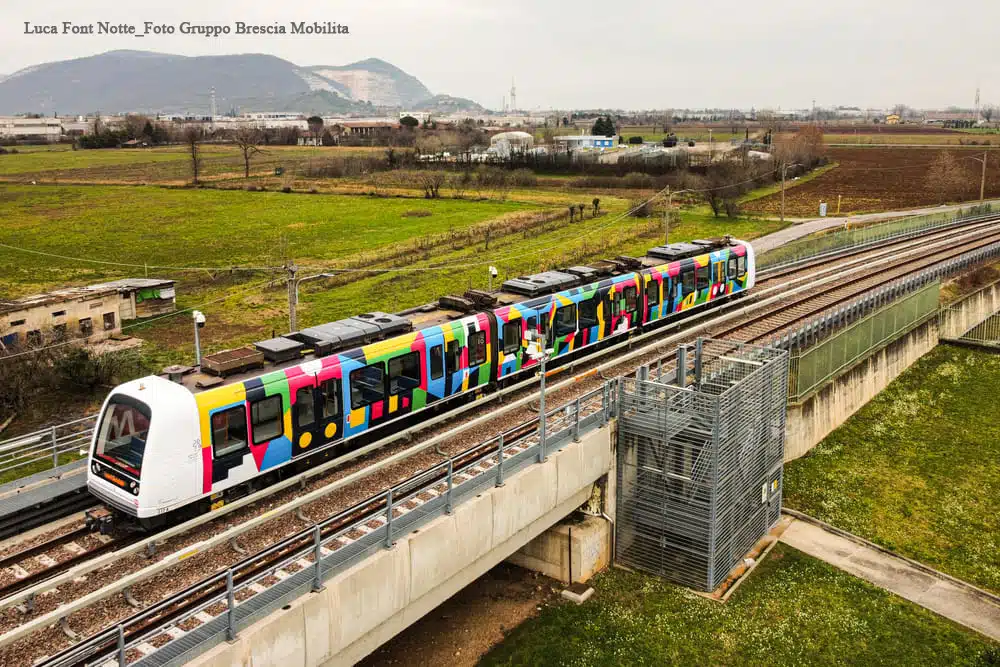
623,54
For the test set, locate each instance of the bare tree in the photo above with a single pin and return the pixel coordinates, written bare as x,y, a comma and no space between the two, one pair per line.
192,139
432,181
135,125
315,126
248,139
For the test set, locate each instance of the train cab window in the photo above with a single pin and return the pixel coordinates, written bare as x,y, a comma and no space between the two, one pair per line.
741,266
265,419
122,434
305,408
229,431
453,356
687,281
588,312
367,386
512,337
565,323
732,268
701,277
404,373
437,362
631,298
532,323
330,398
653,292
477,348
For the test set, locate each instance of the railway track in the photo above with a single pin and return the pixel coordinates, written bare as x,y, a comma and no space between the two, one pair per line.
52,557
515,412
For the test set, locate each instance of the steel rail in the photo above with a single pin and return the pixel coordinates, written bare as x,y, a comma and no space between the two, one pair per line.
225,536
170,560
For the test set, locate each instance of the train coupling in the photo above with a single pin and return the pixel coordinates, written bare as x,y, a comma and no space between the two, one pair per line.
100,520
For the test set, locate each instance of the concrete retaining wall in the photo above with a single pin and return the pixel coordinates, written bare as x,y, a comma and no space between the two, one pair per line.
585,545
814,418
368,604
966,313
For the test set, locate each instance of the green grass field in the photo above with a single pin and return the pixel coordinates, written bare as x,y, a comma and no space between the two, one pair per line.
169,227
915,470
793,610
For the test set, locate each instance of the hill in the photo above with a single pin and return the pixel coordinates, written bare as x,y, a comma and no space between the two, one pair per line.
143,81
448,104
375,81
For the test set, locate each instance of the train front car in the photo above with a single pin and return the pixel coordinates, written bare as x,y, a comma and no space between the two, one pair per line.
145,454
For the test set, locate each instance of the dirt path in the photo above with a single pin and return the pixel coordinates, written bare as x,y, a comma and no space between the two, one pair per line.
468,625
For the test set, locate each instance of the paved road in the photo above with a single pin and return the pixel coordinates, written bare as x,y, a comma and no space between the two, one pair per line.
804,227
939,593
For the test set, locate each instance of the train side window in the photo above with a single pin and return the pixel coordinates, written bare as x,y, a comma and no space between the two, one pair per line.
453,356
732,268
588,312
229,431
512,337
631,298
616,305
544,324
404,373
687,281
533,323
565,320
701,277
720,272
477,348
265,419
653,292
305,408
367,386
741,264
330,390
437,362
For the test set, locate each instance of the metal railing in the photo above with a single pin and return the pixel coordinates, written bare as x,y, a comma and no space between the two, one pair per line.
231,600
811,368
835,241
46,448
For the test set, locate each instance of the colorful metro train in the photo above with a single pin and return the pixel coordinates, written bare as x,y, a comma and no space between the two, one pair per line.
165,449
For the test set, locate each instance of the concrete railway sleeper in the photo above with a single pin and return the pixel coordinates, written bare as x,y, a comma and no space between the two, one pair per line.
519,403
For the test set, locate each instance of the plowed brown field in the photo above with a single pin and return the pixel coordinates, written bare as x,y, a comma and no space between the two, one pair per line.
880,179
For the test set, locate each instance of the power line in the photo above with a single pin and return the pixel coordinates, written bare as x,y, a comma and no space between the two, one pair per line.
139,266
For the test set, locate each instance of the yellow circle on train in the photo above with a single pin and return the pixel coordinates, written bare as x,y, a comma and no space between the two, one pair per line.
305,440
331,430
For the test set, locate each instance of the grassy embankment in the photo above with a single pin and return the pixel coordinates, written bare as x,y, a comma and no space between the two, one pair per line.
916,470
794,610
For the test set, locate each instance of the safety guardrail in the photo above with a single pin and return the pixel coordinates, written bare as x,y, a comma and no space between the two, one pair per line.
47,448
837,241
235,598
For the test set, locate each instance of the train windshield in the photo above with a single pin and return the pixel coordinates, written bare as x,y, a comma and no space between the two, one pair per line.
121,436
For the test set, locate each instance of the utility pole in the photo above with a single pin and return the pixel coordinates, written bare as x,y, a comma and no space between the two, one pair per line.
784,171
292,296
982,182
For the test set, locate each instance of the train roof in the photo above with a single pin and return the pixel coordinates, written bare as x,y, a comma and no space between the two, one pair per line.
297,347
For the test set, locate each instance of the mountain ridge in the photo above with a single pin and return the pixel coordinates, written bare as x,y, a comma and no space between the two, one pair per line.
124,80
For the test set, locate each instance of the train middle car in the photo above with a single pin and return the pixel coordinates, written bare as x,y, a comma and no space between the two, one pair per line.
169,447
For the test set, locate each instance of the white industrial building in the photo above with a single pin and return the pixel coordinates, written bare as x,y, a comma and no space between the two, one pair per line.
36,129
577,141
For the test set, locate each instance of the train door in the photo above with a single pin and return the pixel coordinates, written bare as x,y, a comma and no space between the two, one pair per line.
317,415
631,298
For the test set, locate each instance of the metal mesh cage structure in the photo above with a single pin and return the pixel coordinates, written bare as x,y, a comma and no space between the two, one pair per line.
700,450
